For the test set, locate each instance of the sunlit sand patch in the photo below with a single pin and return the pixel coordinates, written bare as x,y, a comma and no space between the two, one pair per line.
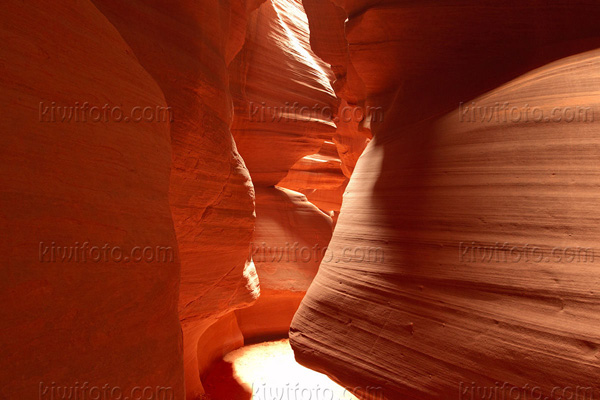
269,371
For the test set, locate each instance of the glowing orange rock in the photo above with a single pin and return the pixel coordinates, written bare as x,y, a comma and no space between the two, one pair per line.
423,323
290,240
74,323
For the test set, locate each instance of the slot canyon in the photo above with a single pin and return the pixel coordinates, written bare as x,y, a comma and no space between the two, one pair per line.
300,200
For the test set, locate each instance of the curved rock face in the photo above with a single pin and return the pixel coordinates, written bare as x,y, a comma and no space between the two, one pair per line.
482,279
452,50
289,242
186,47
79,191
284,109
284,102
328,41
320,177
464,256
291,233
323,183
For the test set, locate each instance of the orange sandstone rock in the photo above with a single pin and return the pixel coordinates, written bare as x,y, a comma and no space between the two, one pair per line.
186,47
72,322
429,319
284,110
284,103
320,177
353,117
289,242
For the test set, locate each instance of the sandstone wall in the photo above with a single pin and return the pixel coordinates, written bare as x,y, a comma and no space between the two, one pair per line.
429,317
186,47
284,106
69,321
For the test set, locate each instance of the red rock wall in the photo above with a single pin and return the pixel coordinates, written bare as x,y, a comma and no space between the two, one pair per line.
425,320
186,47
74,322
281,92
273,78
320,177
289,242
328,41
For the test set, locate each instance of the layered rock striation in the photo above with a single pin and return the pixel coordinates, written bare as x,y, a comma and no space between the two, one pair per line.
284,110
446,194
82,192
186,47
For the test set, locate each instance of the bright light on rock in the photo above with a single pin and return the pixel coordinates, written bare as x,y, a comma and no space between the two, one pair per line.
269,371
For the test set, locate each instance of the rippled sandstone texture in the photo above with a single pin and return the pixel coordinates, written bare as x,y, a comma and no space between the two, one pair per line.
66,183
273,78
323,176
192,52
353,117
431,315
185,48
288,245
320,177
281,91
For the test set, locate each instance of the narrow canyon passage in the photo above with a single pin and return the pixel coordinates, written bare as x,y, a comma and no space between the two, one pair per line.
284,127
300,200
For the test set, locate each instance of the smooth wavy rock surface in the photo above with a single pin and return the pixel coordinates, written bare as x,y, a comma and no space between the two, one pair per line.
450,305
440,185
289,242
284,102
186,47
70,185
